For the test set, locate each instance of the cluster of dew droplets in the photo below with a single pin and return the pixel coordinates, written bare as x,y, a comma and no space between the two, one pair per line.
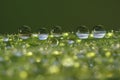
43,34
99,31
82,32
24,32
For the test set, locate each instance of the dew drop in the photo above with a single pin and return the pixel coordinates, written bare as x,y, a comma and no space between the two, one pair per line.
34,35
117,33
24,32
54,42
5,38
15,37
98,31
43,34
82,32
18,54
56,31
1,59
71,39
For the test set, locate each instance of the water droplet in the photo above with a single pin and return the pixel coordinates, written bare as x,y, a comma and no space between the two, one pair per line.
56,31
117,33
1,59
15,37
54,42
98,31
5,39
34,35
82,32
18,54
71,38
24,32
70,41
43,34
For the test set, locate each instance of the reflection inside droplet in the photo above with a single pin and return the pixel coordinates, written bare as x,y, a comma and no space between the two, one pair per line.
34,35
5,38
71,41
24,36
43,36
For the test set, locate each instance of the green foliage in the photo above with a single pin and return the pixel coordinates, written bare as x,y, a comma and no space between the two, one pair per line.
32,59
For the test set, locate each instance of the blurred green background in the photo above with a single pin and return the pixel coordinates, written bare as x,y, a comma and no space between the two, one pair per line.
66,13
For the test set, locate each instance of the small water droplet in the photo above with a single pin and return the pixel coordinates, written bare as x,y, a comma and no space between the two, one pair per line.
98,31
71,41
1,59
71,38
56,31
5,38
54,42
34,35
117,33
15,37
24,32
18,54
82,32
43,34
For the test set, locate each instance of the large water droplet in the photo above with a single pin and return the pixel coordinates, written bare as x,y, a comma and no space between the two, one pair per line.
98,31
24,32
43,34
56,31
82,32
